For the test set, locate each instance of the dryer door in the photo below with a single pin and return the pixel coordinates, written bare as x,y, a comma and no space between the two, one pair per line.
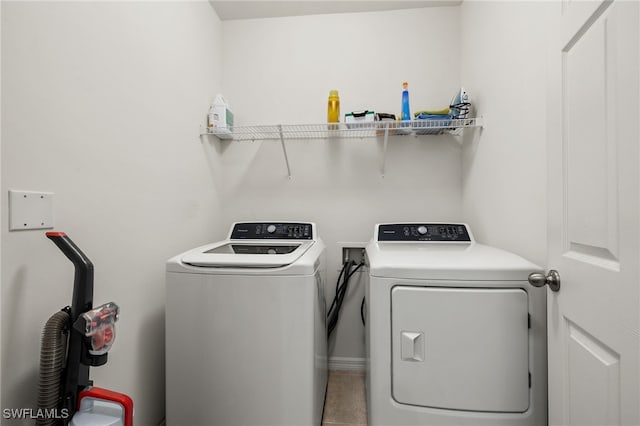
460,348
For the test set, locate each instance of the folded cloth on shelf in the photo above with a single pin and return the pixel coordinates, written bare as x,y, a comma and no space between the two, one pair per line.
430,124
424,116
442,111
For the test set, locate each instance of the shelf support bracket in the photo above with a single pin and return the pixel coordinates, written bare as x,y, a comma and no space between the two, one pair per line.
284,151
384,149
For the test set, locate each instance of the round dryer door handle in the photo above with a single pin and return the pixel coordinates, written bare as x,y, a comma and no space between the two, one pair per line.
552,279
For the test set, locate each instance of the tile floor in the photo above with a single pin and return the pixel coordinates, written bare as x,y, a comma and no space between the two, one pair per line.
345,403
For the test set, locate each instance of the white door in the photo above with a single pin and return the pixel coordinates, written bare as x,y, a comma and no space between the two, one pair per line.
594,234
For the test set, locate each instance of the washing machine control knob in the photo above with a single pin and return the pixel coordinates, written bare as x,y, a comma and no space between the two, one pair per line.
271,229
422,230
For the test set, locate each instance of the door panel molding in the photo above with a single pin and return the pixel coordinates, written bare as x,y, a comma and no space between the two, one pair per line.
596,256
587,353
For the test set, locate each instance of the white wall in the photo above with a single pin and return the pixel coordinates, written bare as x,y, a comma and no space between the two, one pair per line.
280,70
503,61
101,104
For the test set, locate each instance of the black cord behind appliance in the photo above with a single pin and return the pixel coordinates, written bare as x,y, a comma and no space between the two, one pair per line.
341,290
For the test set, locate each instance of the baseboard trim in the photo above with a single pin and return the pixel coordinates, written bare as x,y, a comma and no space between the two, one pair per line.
347,363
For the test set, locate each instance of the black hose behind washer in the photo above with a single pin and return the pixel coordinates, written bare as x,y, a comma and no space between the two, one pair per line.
53,351
341,290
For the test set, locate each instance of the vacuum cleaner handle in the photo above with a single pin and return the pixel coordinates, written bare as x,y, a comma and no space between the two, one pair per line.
83,279
76,371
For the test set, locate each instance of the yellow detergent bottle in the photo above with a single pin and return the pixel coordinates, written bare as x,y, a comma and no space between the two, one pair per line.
333,110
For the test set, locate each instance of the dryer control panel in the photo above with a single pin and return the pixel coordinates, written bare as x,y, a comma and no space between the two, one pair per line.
436,232
272,231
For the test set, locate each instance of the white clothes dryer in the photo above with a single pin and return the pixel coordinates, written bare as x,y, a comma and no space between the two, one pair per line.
455,335
246,340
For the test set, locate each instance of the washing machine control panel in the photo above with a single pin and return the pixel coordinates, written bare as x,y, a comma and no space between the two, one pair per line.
272,231
441,232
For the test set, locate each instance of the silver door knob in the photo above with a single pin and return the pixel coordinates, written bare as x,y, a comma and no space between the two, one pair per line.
552,279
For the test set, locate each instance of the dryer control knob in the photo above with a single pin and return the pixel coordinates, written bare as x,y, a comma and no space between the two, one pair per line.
422,230
271,229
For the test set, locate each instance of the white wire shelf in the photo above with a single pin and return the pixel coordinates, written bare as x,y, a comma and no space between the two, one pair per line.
382,129
342,130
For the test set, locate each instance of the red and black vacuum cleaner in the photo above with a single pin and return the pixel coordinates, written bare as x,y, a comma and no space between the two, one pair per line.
74,339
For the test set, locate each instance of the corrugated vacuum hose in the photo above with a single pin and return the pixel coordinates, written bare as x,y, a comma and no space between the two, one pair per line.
52,362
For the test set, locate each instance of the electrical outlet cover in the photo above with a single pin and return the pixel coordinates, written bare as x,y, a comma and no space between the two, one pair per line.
30,210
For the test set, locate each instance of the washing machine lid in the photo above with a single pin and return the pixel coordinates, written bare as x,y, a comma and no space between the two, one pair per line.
410,253
247,254
256,245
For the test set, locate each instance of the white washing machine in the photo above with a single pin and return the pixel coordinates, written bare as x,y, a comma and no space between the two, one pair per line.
246,340
455,335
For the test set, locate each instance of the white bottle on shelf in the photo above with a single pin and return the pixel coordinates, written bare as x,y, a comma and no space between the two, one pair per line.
211,119
220,118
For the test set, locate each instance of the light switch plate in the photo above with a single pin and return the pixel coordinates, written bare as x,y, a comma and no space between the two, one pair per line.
30,210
